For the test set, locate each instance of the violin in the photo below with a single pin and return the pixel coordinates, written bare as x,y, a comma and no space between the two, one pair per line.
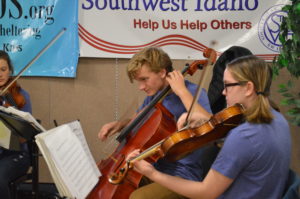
12,96
10,93
153,124
184,142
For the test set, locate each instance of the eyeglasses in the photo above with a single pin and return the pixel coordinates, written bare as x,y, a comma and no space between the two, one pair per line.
233,84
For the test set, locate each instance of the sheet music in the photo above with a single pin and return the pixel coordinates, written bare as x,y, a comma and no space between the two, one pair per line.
77,130
61,187
73,168
5,134
24,115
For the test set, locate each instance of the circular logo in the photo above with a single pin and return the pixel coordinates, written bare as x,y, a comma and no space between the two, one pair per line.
269,27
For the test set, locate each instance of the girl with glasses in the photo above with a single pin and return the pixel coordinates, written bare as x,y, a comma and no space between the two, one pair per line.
255,158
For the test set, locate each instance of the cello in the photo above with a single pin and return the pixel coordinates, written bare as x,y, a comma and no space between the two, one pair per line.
153,124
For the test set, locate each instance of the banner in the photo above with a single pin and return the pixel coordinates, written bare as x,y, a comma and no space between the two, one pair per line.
28,26
119,28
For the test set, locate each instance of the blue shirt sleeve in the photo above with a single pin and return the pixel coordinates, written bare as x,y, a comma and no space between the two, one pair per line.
230,161
27,106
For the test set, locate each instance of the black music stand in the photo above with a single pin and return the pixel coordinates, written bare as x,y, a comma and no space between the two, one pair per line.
25,129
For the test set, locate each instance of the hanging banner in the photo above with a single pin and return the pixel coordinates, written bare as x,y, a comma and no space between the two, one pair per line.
119,28
27,27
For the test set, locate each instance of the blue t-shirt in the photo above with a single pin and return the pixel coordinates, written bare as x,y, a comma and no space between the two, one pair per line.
257,158
191,166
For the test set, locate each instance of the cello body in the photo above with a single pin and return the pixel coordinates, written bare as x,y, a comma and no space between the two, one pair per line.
158,125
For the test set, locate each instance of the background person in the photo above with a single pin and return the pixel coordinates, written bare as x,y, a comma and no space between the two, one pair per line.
13,164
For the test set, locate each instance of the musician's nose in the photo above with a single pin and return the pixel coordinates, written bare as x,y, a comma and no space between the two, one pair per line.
142,86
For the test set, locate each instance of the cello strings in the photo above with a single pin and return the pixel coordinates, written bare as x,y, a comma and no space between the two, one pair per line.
111,142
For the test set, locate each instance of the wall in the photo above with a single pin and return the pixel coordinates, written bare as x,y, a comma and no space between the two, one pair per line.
101,93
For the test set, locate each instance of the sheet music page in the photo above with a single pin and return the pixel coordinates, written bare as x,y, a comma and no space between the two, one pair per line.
77,130
25,115
57,178
5,134
71,158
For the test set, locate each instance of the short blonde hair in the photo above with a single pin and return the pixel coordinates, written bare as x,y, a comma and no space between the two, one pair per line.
154,57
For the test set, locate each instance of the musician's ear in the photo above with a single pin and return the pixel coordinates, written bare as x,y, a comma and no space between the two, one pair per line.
250,90
163,73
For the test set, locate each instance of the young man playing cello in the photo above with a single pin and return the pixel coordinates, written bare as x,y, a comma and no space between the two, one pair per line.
151,68
254,160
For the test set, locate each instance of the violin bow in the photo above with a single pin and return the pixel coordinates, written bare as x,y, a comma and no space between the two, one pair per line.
33,60
210,61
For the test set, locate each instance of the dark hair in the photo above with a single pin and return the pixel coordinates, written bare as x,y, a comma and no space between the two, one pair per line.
5,56
216,98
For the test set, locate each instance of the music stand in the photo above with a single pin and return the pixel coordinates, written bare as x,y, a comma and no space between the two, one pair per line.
25,129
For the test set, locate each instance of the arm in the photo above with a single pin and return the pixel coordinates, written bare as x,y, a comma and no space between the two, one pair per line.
176,81
213,185
111,128
27,107
195,120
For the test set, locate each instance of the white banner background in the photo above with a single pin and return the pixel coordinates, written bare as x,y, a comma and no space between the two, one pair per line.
119,28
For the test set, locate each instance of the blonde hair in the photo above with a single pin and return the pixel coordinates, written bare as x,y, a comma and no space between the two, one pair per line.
257,71
154,57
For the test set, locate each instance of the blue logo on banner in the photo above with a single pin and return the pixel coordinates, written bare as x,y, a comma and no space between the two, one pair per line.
27,27
269,27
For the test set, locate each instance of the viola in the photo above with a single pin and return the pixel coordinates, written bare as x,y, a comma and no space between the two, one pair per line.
153,124
184,142
12,96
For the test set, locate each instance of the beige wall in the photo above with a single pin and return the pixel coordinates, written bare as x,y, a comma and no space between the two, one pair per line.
100,93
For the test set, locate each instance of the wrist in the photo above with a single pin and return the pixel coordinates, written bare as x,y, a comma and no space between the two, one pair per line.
122,123
182,92
153,175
